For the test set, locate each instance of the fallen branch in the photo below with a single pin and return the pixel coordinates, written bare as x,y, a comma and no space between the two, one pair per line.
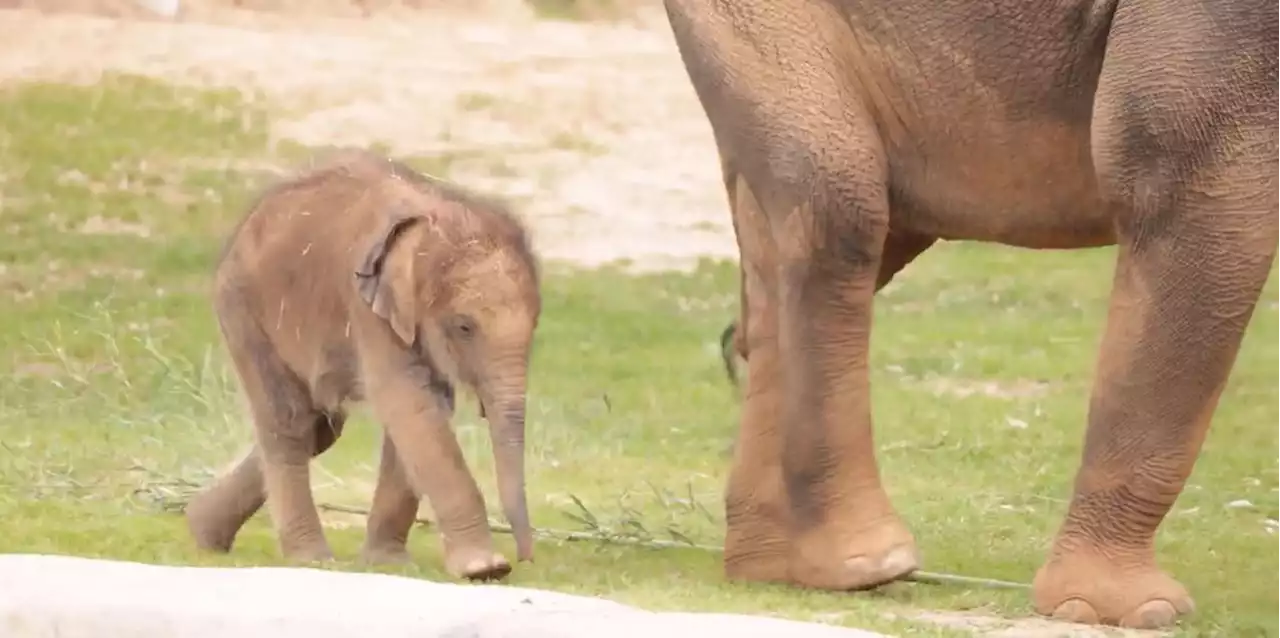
605,535
172,494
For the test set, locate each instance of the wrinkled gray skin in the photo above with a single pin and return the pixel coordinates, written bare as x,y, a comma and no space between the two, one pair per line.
853,135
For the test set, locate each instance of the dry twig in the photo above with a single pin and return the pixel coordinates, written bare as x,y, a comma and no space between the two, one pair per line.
172,494
623,538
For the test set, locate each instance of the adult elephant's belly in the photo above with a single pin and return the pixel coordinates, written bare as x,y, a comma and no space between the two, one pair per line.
1030,184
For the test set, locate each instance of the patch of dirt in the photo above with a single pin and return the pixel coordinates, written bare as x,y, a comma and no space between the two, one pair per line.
989,626
99,225
591,129
962,388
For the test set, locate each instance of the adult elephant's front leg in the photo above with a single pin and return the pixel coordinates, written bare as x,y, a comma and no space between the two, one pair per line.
845,532
757,511
805,503
808,184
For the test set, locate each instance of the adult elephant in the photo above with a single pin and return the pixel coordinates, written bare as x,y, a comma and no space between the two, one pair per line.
854,134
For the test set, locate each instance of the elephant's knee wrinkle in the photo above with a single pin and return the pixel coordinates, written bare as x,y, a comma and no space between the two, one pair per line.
824,271
287,449
853,245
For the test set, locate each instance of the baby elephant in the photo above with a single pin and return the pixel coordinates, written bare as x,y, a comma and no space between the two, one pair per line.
364,280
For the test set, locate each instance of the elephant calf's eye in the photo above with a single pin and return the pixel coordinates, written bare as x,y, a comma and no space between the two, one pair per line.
463,327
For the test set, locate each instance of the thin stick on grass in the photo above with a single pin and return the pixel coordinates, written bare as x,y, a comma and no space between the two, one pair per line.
172,493
605,535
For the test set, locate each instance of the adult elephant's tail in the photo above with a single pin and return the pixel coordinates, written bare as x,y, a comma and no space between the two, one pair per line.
728,340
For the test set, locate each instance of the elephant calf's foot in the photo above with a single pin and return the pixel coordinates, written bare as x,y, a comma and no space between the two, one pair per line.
211,533
307,551
1086,587
848,557
385,554
476,564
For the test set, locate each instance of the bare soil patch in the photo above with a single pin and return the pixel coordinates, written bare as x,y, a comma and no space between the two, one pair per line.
591,128
990,626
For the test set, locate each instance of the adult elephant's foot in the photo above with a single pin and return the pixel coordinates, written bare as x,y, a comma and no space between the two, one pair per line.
757,538
1085,586
853,556
859,554
756,552
476,563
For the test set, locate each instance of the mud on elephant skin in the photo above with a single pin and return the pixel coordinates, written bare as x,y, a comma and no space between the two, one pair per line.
361,280
852,135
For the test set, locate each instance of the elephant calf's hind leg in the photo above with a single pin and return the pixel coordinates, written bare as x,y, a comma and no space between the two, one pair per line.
216,514
395,506
288,431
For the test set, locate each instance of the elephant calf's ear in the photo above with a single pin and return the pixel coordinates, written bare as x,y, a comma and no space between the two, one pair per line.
385,279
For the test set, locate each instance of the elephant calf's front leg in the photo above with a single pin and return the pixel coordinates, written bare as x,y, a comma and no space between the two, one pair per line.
395,504
431,463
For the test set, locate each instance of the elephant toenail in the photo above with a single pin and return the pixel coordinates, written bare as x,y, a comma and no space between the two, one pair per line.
1152,614
859,566
899,561
1077,611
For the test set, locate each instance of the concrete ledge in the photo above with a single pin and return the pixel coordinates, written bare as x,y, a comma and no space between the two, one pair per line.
67,597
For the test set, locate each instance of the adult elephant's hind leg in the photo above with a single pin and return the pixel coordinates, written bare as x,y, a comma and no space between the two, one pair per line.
1192,177
804,502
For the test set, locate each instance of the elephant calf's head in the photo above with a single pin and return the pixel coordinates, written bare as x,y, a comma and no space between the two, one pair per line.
456,279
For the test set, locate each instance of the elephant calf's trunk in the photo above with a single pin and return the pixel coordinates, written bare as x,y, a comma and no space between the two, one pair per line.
506,428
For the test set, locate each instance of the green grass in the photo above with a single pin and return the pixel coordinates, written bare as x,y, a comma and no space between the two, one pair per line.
116,384
581,10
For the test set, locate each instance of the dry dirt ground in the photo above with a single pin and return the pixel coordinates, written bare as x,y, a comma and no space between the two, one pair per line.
591,127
